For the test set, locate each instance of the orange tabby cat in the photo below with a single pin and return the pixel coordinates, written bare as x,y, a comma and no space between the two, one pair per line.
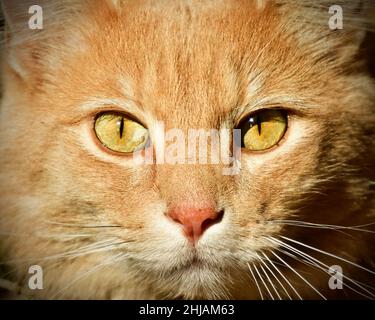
104,80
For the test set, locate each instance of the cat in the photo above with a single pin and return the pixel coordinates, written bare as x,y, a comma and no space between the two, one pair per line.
102,80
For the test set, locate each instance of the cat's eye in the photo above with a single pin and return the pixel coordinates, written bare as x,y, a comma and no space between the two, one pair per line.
263,130
120,133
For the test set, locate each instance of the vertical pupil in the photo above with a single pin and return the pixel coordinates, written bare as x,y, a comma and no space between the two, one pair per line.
259,124
120,124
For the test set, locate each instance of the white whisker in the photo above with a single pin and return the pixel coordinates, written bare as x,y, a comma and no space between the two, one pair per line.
307,282
330,254
277,279
264,283
73,225
256,282
286,280
316,263
87,273
269,280
305,224
99,246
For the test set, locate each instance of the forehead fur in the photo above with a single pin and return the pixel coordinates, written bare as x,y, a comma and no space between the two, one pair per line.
187,53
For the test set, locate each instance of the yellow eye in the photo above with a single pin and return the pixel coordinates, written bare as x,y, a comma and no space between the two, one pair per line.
263,130
119,133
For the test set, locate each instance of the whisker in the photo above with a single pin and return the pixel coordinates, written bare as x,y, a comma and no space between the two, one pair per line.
264,283
256,282
286,280
307,282
364,225
73,225
86,250
305,224
8,285
269,280
86,274
316,263
277,279
330,254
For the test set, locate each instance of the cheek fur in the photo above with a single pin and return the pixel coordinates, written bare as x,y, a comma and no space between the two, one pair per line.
84,209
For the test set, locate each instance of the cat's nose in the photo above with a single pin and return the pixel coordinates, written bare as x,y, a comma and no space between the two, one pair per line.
195,221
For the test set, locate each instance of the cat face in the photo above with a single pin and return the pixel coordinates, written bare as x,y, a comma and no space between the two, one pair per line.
103,225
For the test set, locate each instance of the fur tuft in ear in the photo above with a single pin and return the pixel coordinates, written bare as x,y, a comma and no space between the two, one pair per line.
31,30
334,31
18,13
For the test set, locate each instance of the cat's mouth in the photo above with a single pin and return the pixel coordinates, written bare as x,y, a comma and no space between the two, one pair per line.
196,262
194,266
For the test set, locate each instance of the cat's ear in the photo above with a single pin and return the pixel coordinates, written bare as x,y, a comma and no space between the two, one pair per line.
20,13
31,27
22,19
333,31
349,24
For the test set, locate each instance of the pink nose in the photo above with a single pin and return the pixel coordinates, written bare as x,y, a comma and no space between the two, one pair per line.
195,221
